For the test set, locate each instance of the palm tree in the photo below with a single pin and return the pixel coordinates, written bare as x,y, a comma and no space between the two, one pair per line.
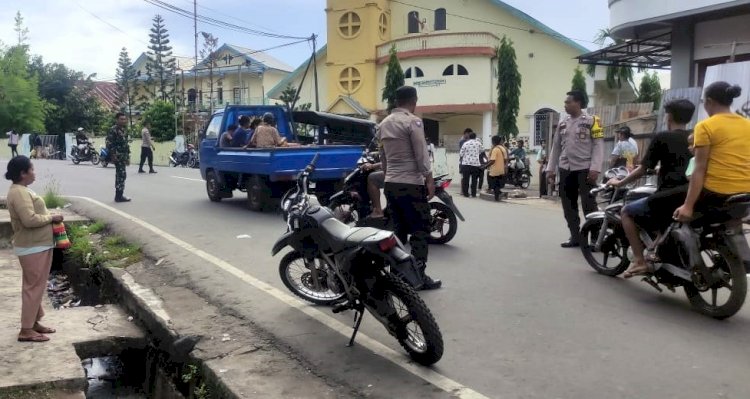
616,75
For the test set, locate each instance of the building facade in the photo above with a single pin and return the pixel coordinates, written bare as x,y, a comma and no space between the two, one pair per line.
700,33
233,75
447,49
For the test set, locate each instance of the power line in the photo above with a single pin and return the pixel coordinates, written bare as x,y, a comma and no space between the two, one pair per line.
230,16
496,23
109,24
218,23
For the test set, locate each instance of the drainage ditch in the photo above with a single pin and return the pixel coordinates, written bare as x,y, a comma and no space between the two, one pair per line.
124,368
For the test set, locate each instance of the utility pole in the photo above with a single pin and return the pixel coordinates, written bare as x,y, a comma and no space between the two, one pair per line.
195,68
315,72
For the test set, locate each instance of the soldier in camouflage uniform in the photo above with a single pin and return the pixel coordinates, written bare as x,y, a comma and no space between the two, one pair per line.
118,150
578,151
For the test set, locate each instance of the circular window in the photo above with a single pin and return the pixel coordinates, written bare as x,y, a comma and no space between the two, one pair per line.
383,25
350,80
350,25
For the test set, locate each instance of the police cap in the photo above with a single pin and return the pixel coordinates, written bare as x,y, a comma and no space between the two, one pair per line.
404,93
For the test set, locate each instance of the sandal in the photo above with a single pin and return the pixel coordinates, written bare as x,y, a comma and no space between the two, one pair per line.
647,269
43,330
34,338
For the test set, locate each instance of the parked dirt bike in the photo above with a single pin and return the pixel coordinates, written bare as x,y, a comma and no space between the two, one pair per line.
188,158
518,177
89,154
704,256
104,156
352,205
355,268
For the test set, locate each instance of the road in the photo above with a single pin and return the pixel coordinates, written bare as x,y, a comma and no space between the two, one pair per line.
521,317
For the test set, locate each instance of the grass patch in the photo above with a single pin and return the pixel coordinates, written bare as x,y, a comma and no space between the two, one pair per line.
111,248
52,197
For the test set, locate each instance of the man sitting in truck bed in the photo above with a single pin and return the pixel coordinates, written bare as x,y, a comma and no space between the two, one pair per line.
266,135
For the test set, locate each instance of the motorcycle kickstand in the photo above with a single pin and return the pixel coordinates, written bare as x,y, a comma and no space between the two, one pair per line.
651,282
358,315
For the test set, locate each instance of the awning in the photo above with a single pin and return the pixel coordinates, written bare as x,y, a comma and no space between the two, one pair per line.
651,53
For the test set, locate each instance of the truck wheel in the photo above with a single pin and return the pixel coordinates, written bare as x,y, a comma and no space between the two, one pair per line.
213,189
257,193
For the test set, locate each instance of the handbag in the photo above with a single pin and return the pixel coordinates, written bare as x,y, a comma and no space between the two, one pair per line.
60,236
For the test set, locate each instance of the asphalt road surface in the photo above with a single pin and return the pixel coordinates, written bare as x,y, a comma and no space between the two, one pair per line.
521,317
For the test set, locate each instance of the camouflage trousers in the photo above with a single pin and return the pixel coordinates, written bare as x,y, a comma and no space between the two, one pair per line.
120,176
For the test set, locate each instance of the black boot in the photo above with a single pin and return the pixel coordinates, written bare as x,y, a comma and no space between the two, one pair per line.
119,197
427,282
141,170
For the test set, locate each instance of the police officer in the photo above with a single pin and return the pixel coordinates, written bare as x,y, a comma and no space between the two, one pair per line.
408,177
119,154
578,151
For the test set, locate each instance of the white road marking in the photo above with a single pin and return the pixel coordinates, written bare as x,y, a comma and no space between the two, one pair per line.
187,178
431,376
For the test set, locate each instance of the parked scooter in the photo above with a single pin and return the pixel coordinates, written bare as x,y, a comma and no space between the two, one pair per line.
84,155
352,205
704,256
188,158
518,176
358,269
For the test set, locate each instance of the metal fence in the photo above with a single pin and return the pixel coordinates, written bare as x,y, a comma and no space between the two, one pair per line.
693,94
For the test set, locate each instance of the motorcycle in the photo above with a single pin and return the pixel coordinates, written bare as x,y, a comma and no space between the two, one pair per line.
679,255
519,177
352,204
355,268
104,156
187,158
88,154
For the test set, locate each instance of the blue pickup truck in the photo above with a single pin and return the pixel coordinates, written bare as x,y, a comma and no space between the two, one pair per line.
265,174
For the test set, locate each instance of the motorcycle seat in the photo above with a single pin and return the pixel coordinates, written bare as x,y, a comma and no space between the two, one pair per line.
639,192
343,237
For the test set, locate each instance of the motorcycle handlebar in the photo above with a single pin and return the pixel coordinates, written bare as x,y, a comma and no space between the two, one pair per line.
599,189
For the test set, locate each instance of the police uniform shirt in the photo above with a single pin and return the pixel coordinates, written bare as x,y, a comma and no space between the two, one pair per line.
578,145
404,148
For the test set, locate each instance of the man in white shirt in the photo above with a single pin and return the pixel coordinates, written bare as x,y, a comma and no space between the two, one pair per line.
470,164
13,143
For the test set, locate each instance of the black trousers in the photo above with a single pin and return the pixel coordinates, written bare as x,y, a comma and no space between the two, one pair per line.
13,150
543,181
496,184
470,177
410,213
574,183
147,153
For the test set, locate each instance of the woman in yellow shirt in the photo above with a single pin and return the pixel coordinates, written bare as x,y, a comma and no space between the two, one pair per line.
722,153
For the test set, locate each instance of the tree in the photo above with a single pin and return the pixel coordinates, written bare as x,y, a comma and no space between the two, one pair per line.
208,53
289,96
616,75
127,84
161,116
161,64
508,89
579,81
21,31
394,78
20,106
650,90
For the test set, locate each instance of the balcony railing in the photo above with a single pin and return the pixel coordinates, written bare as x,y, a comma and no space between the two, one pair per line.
440,40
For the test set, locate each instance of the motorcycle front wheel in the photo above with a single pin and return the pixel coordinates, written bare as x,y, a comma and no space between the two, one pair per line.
612,259
412,324
104,163
95,159
726,297
309,280
525,180
443,223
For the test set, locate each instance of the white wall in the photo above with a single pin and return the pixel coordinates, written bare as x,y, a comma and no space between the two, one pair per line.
713,38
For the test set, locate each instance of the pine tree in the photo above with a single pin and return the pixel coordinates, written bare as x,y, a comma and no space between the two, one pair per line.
579,81
208,53
127,84
650,90
508,89
21,31
161,64
394,78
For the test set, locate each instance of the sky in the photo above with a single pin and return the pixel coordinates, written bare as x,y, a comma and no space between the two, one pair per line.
87,35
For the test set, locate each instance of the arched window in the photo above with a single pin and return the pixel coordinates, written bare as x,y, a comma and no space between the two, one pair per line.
440,23
418,72
448,71
414,22
462,70
456,69
191,96
413,72
407,73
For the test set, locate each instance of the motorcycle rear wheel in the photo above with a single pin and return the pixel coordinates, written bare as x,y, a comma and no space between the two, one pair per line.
104,163
732,268
75,160
191,163
95,159
614,247
525,180
417,331
440,216
297,277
